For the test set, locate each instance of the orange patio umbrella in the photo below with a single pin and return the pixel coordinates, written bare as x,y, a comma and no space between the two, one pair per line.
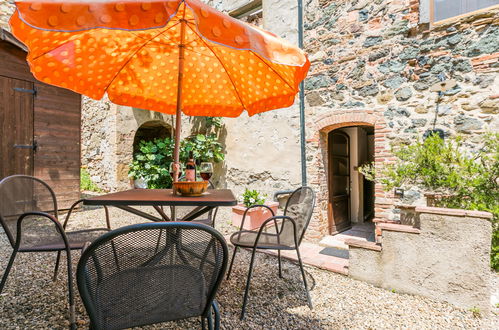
170,56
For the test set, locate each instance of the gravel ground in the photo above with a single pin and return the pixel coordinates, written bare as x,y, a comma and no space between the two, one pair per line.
31,300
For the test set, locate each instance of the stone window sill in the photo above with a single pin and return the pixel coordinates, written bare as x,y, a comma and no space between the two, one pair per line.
438,25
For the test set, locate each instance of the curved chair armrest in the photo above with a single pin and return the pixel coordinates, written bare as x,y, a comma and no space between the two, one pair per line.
253,206
284,218
108,224
57,224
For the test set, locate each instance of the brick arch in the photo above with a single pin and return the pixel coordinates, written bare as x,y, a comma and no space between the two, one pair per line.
319,161
327,123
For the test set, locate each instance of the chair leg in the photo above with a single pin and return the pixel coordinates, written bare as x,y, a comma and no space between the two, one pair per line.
56,268
209,320
245,299
217,314
279,260
203,325
304,279
232,261
7,270
72,319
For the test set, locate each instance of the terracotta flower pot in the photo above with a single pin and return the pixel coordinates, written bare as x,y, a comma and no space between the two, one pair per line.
255,216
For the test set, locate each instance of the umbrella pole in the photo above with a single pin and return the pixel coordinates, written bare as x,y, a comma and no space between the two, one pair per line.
178,118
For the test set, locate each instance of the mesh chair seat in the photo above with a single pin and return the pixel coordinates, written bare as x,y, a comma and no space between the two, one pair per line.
76,240
149,304
150,273
247,238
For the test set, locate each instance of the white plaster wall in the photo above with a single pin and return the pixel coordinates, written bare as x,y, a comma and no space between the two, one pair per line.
263,152
448,261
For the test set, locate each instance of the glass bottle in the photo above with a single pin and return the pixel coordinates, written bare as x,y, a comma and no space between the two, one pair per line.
190,168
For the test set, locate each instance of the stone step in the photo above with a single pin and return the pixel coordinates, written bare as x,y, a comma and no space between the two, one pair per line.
363,244
337,241
399,228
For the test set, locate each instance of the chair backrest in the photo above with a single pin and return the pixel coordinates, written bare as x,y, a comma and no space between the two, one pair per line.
150,273
20,194
299,207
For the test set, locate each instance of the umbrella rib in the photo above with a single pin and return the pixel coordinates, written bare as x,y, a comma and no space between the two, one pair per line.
133,54
271,68
225,69
51,50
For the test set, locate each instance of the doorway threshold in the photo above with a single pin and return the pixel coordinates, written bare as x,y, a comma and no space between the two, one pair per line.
360,231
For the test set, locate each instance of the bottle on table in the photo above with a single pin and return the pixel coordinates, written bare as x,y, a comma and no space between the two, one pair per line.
190,168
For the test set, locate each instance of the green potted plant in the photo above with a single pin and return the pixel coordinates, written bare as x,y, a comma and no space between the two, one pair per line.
255,215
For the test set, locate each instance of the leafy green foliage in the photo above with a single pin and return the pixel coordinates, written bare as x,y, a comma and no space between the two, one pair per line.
252,197
476,312
153,159
369,171
86,183
204,147
468,180
214,122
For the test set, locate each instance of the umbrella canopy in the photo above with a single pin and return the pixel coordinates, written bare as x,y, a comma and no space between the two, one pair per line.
167,56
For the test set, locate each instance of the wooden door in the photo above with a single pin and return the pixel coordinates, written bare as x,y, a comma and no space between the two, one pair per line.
57,132
339,182
17,145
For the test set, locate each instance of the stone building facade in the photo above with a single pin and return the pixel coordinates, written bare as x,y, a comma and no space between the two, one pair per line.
373,62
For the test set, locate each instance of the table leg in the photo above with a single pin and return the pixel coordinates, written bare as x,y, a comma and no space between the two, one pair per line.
198,211
162,213
138,212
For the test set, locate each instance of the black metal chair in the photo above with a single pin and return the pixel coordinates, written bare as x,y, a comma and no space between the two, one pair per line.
30,218
152,272
277,233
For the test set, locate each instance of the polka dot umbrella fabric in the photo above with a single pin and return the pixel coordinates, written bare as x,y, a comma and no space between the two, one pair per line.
130,50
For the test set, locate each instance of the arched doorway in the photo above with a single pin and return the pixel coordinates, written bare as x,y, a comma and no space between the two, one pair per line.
151,130
350,195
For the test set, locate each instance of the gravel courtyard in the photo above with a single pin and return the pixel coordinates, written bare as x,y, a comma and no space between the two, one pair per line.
32,301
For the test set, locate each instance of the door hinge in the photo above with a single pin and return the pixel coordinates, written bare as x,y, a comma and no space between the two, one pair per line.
25,90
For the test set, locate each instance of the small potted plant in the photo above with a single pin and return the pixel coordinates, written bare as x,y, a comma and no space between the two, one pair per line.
255,215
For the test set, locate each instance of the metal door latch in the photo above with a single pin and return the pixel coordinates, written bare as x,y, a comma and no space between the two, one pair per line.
25,90
33,146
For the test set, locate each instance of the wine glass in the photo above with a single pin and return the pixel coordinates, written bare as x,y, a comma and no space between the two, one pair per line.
206,170
180,169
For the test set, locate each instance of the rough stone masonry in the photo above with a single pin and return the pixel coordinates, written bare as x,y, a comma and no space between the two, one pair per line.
374,58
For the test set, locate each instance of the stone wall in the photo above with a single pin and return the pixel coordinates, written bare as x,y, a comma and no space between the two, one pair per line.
6,10
373,57
447,258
